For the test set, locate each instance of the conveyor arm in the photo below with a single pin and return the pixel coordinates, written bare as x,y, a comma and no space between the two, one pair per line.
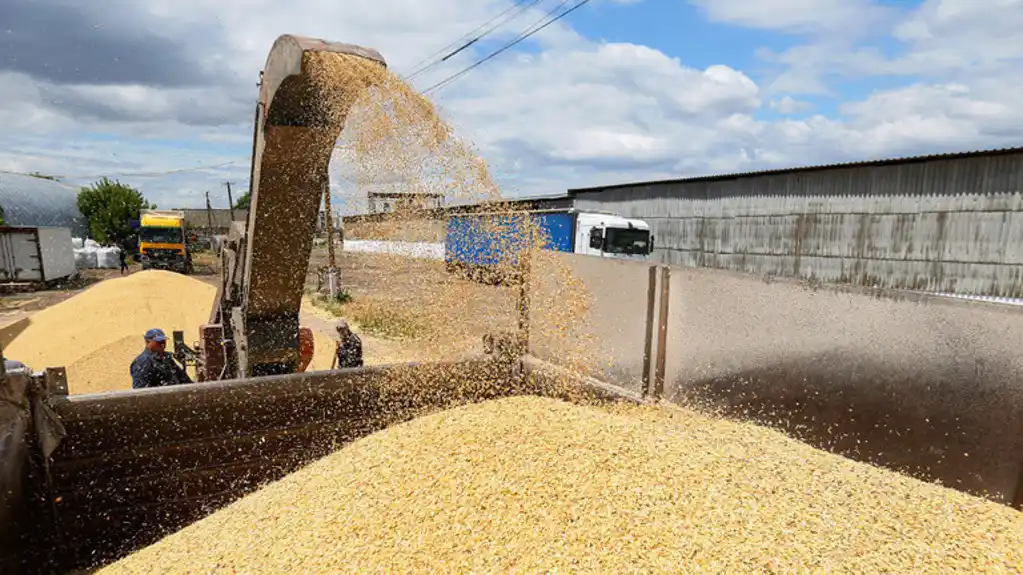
265,263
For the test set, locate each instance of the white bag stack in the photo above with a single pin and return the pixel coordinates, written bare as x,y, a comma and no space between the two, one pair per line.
86,258
108,258
86,253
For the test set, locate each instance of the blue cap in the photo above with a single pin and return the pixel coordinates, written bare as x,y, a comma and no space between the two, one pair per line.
156,335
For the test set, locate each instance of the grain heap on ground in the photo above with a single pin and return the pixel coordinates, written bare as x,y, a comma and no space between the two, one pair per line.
528,484
97,333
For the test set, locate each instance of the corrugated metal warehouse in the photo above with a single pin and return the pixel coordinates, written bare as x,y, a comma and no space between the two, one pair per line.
31,201
949,222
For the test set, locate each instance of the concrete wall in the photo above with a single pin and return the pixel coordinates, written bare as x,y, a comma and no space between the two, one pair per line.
591,314
419,250
425,231
952,225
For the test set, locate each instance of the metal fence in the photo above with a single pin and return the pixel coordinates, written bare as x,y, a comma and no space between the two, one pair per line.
916,383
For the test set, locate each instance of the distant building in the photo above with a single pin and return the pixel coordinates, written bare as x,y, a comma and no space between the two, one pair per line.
321,221
199,219
31,201
385,202
527,203
709,218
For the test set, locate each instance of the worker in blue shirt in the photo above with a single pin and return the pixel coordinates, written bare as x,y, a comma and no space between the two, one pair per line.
153,367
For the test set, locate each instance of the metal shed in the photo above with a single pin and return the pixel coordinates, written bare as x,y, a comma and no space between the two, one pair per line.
37,202
949,222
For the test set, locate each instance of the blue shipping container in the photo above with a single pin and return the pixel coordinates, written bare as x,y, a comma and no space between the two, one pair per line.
491,239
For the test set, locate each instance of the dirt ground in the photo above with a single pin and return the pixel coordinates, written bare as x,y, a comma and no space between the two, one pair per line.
452,314
407,288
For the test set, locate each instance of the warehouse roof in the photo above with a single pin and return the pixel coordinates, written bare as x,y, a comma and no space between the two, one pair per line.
33,201
456,207
860,164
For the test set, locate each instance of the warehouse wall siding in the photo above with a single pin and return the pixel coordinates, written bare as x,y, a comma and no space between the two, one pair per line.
952,225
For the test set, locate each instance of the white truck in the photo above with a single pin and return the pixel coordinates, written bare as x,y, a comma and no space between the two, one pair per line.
478,243
35,254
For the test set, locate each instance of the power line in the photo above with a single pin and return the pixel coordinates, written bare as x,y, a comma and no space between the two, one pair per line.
468,39
530,31
156,174
132,174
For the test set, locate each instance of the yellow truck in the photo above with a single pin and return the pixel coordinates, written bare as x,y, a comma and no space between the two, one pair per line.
162,242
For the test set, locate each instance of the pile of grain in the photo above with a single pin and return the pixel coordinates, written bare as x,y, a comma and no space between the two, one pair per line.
97,333
103,324
530,484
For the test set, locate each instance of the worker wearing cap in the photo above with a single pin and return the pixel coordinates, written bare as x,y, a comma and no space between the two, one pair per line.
153,367
12,366
349,347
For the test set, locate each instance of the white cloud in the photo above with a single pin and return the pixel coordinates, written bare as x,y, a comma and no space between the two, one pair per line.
789,105
570,112
801,16
941,40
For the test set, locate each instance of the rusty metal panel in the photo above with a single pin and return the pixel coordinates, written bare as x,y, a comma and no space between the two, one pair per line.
15,455
137,465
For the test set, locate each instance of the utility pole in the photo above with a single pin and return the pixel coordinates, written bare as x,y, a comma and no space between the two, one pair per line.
332,279
209,217
329,223
230,200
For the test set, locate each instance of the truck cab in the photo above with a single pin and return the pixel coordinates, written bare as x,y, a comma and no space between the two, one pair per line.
609,235
162,243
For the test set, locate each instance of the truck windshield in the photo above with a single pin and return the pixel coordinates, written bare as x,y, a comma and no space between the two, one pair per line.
160,235
627,241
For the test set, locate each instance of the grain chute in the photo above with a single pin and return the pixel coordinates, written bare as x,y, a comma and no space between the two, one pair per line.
254,326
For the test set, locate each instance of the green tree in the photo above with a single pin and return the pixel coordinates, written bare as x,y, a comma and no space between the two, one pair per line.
110,207
242,203
3,220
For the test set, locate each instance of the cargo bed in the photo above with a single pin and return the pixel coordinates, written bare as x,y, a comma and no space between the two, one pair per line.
134,466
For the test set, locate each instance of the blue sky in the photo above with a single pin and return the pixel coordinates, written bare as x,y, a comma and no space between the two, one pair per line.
621,90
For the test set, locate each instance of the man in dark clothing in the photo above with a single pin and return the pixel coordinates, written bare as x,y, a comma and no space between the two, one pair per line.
123,255
13,366
153,367
349,347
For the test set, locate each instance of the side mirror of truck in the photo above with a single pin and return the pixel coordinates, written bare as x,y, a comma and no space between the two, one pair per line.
596,238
